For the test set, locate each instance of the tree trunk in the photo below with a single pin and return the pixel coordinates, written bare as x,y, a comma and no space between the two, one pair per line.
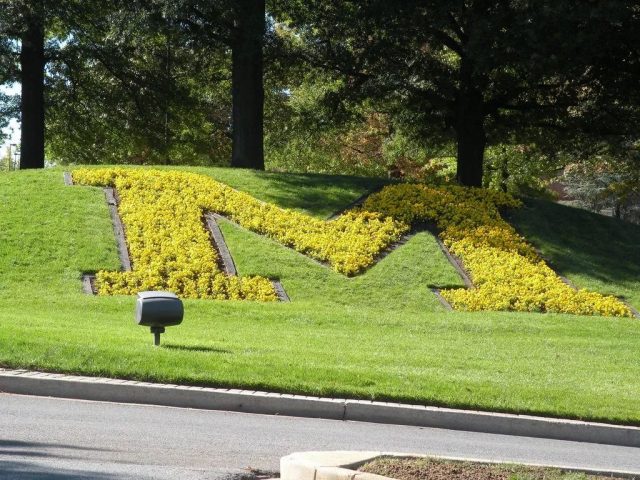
471,138
504,176
617,211
469,126
247,88
32,64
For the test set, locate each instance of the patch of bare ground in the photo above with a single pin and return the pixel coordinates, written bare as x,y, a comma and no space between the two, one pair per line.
434,469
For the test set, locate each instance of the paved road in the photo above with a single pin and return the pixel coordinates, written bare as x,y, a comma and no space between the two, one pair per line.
45,438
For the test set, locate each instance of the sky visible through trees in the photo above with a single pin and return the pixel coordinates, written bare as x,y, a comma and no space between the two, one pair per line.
12,131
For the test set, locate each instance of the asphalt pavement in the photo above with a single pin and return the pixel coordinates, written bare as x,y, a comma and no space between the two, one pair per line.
47,438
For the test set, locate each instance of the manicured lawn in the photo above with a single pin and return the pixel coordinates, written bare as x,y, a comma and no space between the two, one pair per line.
381,335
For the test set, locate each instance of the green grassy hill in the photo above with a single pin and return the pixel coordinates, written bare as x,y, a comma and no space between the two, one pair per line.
381,335
595,252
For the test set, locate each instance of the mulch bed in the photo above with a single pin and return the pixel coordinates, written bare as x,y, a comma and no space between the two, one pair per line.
433,469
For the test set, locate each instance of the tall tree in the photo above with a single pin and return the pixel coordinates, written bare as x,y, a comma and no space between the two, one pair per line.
478,71
128,85
158,54
24,25
238,25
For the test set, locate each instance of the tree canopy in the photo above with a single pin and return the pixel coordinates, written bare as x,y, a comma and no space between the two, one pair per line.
506,87
479,72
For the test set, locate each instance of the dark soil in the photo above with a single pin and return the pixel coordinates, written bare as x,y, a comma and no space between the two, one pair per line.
432,469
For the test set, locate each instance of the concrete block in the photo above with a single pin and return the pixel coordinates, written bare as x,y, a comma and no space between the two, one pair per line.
334,473
296,467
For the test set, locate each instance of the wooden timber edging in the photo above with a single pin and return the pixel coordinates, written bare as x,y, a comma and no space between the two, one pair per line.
447,306
454,261
634,312
118,227
280,291
89,284
217,240
224,255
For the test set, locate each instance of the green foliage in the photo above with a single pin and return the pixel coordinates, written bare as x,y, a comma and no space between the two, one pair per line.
149,82
303,135
520,169
518,71
5,161
608,182
8,66
140,93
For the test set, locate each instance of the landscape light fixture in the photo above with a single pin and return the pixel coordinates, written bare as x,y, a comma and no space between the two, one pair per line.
158,310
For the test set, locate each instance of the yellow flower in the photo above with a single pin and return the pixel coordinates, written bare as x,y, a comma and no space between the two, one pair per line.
170,248
506,271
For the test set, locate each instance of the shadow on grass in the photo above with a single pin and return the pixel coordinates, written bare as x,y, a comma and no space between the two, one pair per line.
580,242
444,286
317,192
195,348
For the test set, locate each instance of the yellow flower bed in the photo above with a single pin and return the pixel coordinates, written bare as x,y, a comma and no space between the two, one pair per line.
506,271
170,248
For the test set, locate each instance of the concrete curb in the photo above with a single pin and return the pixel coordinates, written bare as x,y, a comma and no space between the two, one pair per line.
125,391
343,465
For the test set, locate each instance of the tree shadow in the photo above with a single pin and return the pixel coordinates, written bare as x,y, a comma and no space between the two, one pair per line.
26,470
581,242
29,471
319,194
195,348
18,445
